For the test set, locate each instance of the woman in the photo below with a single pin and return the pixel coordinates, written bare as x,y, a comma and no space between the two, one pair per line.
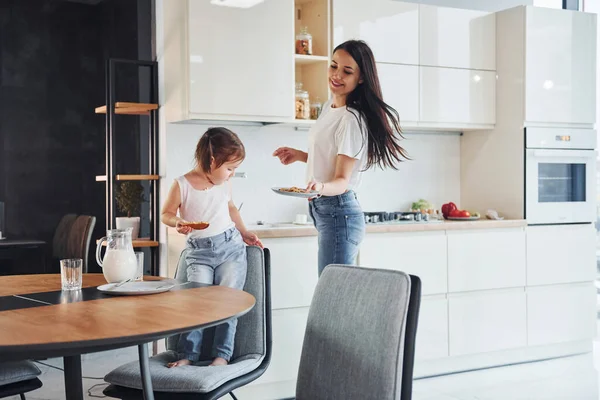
356,130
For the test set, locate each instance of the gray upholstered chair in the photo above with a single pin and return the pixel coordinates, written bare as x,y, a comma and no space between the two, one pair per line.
18,378
61,236
80,235
251,357
360,336
60,240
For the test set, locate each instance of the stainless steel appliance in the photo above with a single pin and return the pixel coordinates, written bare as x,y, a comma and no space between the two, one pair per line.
560,175
381,217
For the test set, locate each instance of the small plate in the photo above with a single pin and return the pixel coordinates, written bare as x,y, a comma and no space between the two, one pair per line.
309,195
137,288
463,218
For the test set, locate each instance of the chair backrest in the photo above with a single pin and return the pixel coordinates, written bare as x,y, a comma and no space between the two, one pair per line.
78,244
251,333
355,340
61,236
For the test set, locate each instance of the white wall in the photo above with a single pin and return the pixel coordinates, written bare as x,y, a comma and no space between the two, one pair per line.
481,5
433,173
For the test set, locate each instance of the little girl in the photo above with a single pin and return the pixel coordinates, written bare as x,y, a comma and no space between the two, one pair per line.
216,255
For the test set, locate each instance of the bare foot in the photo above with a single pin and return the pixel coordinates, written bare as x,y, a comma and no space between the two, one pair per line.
218,362
179,363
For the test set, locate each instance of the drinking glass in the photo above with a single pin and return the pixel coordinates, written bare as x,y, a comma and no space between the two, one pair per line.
71,270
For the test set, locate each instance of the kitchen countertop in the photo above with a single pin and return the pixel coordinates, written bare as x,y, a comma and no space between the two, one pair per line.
283,230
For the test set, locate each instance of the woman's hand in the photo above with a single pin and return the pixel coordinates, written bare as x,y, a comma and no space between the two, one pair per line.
314,186
287,155
251,239
184,230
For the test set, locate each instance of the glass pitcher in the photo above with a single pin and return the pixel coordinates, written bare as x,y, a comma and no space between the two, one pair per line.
119,261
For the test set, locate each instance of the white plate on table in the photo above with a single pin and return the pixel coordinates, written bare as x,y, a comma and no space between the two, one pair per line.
308,195
463,218
137,288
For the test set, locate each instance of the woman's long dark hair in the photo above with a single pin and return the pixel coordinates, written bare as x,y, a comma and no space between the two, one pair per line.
382,121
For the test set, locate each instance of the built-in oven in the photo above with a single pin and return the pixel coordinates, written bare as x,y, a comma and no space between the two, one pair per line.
560,175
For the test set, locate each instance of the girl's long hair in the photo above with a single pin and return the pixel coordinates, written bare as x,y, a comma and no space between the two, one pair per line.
382,121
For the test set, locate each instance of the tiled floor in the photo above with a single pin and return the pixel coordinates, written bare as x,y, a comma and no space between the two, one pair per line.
570,378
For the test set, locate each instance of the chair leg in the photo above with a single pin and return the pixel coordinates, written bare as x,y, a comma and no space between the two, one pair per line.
22,396
233,396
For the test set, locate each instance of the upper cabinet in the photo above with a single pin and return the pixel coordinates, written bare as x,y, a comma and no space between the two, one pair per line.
560,66
400,89
457,98
457,38
391,28
241,61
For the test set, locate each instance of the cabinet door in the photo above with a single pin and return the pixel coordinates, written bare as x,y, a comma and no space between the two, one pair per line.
241,60
288,336
432,332
400,88
294,275
560,66
421,254
485,321
459,38
391,28
561,313
458,96
479,260
561,254
175,245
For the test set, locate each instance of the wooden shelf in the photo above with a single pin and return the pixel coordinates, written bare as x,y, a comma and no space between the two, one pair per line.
102,178
137,177
140,243
126,108
302,59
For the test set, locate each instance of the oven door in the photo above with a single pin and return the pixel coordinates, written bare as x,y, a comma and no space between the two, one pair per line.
560,186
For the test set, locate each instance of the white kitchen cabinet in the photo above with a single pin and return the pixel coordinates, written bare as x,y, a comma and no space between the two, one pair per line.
561,313
479,260
288,335
487,321
400,89
560,66
391,28
422,254
240,68
458,38
432,332
560,254
461,97
294,272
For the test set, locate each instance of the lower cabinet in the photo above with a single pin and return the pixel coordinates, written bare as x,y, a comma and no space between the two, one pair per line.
420,253
486,321
432,331
288,335
561,313
293,270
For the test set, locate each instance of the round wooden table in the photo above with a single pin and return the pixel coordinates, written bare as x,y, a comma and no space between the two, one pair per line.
37,320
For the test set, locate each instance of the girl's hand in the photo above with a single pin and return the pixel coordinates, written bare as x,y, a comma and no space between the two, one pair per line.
287,155
251,239
184,230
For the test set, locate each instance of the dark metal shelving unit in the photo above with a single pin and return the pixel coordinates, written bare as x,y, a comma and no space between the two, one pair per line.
140,110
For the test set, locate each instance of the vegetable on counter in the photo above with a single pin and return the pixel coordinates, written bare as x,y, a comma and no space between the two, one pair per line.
422,204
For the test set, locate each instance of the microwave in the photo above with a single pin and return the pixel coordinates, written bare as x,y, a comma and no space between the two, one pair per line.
560,175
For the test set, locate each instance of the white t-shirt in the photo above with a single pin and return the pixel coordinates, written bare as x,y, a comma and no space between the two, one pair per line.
337,131
205,205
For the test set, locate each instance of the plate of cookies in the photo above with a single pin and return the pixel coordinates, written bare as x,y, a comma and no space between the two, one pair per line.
295,191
